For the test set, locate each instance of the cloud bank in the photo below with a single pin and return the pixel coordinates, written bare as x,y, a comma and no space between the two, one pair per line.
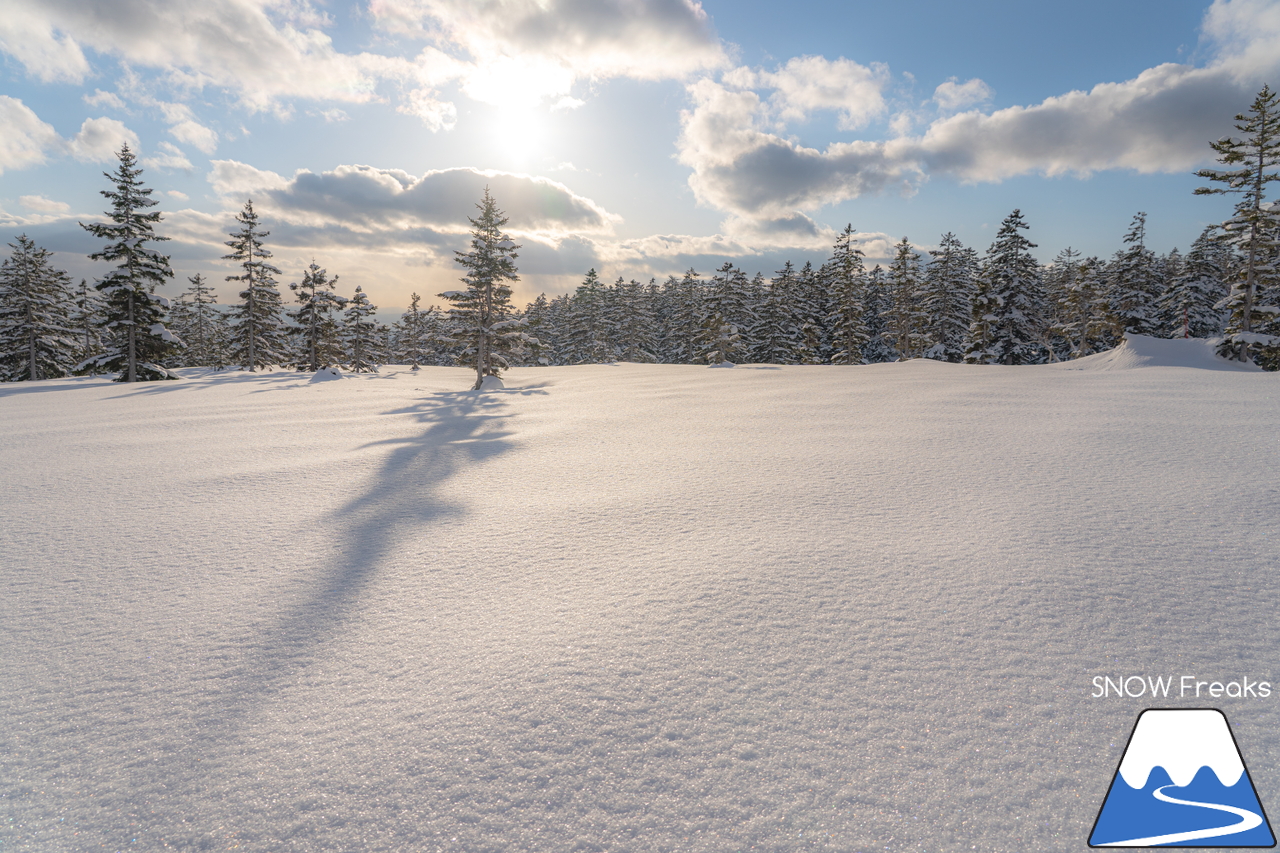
1160,121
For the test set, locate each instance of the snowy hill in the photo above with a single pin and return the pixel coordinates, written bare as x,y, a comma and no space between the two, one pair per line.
621,607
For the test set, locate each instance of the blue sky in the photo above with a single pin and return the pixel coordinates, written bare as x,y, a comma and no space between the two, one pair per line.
639,137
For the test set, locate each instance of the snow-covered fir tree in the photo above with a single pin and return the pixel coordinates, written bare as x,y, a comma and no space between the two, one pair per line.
776,335
1006,318
683,309
588,334
876,304
1135,286
540,324
360,334
1253,161
907,320
133,316
845,275
37,332
719,336
202,327
634,319
486,326
947,298
1189,306
259,339
811,307
318,330
413,338
87,318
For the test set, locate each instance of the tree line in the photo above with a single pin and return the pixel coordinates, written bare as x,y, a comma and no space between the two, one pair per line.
950,303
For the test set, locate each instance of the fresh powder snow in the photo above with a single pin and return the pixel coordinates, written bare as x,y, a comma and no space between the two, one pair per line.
623,607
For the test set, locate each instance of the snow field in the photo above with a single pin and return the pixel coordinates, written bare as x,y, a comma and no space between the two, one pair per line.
620,607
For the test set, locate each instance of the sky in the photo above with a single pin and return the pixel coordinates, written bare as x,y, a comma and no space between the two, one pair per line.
640,138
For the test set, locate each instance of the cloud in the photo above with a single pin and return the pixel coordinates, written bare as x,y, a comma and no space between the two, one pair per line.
26,138
954,95
364,198
1159,121
40,204
747,171
437,115
100,99
270,52
178,194
196,135
170,157
524,51
230,44
99,139
807,84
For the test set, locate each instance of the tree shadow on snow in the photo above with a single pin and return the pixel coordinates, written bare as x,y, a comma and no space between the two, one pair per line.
463,429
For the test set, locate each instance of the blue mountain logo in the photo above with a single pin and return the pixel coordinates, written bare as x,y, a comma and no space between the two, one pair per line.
1182,783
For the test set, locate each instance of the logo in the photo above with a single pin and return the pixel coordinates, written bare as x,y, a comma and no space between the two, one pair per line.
1182,783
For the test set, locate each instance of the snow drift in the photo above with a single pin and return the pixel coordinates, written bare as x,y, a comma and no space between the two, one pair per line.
1143,351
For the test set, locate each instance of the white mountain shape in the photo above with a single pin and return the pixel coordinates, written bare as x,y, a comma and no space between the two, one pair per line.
1181,742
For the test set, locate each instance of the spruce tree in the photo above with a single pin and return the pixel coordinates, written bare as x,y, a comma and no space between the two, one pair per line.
360,334
719,338
412,340
876,305
683,299
1189,307
259,326
586,336
1006,316
637,338
906,314
947,298
1135,287
317,327
87,318
776,335
200,325
37,335
846,277
133,315
1254,228
487,329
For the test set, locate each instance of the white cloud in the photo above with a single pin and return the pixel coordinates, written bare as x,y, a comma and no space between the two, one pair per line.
954,95
1159,121
747,171
40,204
334,115
169,157
436,114
178,194
807,84
524,51
230,44
25,138
196,135
101,99
99,139
367,199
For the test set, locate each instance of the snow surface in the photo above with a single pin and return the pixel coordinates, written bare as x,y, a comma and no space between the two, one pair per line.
1181,741
619,607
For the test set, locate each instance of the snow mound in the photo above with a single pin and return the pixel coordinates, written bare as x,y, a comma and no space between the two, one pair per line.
324,374
492,383
723,364
1142,351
